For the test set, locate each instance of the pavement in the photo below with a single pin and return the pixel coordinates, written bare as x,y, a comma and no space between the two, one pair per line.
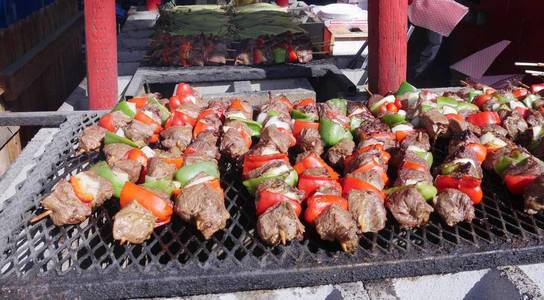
511,282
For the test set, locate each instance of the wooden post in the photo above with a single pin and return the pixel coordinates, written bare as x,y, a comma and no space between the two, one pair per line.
388,43
101,44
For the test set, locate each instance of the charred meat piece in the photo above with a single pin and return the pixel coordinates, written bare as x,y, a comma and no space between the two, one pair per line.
205,147
371,125
177,137
534,196
457,126
494,156
158,169
233,143
454,206
419,139
131,167
271,135
116,152
133,224
534,118
204,206
435,123
91,138
412,176
120,120
278,224
258,172
310,141
496,130
409,208
368,210
462,139
337,153
385,138
371,176
515,125
336,224
65,205
362,158
139,131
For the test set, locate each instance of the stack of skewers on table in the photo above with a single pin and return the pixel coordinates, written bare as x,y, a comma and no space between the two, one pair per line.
339,168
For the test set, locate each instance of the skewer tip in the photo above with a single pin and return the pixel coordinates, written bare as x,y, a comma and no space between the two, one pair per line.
464,83
344,247
283,237
368,91
41,216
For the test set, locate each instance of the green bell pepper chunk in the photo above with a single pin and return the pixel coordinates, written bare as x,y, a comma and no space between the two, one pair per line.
427,190
166,186
467,106
426,155
426,107
473,94
165,113
127,108
253,125
447,169
506,161
446,101
404,88
279,55
252,184
530,99
394,119
394,189
505,100
332,133
299,115
273,113
340,104
112,138
354,123
103,170
187,173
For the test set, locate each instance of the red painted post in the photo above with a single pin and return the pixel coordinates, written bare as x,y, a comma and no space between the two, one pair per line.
388,43
101,44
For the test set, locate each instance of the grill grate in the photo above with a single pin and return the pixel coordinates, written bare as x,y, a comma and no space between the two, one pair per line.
42,260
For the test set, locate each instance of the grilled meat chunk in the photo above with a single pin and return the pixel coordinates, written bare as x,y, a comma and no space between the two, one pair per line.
91,138
65,205
435,123
310,140
116,152
457,126
278,223
412,176
258,172
203,205
233,143
120,120
337,153
368,210
159,169
514,124
177,137
534,196
419,139
534,118
454,206
133,224
271,135
494,156
409,208
336,224
139,131
462,139
131,167
530,166
371,176
371,125
496,130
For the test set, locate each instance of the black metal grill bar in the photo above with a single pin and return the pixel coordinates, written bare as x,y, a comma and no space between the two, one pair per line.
83,260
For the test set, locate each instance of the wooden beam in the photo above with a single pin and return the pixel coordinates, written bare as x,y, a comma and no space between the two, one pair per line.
388,43
19,75
39,118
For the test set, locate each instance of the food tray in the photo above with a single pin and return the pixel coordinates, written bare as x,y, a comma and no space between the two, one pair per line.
43,261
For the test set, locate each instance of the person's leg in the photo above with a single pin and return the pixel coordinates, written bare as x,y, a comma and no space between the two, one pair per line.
428,54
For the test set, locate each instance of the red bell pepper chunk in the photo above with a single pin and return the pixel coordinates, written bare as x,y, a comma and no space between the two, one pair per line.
309,184
482,99
139,156
522,111
314,161
471,186
179,118
516,184
373,165
106,122
457,117
301,125
177,161
479,150
350,183
78,189
305,102
267,199
520,92
201,126
291,55
251,162
161,208
177,100
184,89
140,102
391,107
412,165
285,101
482,119
318,203
140,116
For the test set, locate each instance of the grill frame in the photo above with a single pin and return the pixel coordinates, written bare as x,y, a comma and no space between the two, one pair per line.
501,235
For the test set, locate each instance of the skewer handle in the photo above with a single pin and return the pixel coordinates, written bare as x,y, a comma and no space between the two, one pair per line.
41,216
529,64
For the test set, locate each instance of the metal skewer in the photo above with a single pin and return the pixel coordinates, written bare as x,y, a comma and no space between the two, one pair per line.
529,64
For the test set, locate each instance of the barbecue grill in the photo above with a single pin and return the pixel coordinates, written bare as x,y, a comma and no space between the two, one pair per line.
42,260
